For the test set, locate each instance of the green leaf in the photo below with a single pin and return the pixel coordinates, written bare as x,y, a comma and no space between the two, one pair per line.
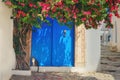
25,19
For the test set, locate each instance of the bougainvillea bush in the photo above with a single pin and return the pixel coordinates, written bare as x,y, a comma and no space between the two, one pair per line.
89,12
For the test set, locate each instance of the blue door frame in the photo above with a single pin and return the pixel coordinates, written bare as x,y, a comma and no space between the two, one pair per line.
53,44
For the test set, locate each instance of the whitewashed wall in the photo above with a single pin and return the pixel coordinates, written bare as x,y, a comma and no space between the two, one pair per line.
118,34
115,32
7,56
92,49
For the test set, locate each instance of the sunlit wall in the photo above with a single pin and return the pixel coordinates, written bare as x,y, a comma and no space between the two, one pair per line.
7,58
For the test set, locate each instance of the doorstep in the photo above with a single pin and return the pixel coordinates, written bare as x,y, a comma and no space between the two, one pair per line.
21,72
58,69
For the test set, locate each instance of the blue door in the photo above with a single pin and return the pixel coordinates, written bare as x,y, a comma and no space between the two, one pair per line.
53,44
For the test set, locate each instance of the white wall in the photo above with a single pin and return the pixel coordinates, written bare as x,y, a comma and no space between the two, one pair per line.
113,32
93,52
118,34
92,49
7,56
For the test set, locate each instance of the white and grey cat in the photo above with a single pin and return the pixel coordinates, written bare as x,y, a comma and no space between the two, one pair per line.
35,63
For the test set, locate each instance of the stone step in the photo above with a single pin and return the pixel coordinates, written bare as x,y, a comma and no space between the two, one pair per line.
104,56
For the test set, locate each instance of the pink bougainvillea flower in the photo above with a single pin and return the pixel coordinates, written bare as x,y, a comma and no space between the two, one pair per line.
113,8
61,19
8,3
67,9
22,4
90,12
87,12
31,5
54,9
35,6
40,3
65,20
106,0
75,16
46,15
98,4
75,1
18,16
23,14
110,19
20,13
45,6
60,3
117,14
83,19
110,15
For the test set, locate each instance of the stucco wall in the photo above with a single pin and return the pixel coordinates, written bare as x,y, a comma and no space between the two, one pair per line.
115,37
7,56
118,34
113,31
92,49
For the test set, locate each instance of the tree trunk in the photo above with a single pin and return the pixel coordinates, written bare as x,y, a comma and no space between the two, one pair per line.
22,45
28,46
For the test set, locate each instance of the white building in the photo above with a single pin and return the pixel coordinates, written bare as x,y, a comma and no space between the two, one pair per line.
115,33
89,58
7,55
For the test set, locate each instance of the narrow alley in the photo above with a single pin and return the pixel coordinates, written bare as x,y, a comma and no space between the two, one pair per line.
110,70
110,62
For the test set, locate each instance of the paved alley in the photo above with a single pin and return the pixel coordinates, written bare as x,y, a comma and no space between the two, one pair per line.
110,62
110,70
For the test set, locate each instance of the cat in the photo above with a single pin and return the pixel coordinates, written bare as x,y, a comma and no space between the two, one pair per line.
35,63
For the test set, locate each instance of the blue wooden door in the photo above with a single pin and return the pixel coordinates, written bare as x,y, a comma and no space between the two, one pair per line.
63,45
53,45
42,44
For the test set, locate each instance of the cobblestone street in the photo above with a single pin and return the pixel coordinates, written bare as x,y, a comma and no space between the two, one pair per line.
110,70
110,62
